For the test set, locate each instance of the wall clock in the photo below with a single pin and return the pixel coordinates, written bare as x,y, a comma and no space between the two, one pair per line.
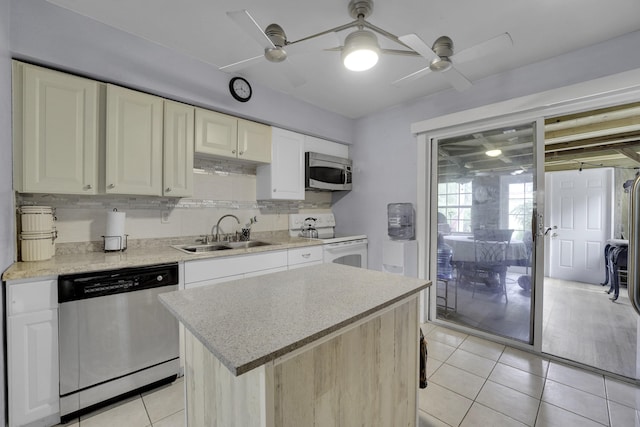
481,194
240,89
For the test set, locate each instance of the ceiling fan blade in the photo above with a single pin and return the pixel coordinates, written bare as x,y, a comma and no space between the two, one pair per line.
457,80
411,77
245,21
231,68
488,47
417,44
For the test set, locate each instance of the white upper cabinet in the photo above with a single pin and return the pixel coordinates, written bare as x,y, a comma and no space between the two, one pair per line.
55,131
216,134
254,141
134,142
227,136
322,146
283,179
178,149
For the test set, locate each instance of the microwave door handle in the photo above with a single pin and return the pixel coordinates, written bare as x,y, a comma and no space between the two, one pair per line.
347,172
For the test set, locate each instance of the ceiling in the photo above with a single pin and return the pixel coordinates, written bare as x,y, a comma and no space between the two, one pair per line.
607,137
201,29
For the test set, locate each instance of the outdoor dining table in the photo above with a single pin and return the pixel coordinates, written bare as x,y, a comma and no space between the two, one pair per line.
464,257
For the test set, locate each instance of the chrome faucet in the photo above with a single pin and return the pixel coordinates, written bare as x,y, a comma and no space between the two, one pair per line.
217,226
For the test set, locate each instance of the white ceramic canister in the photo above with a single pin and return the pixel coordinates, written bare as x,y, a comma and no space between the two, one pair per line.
37,246
36,219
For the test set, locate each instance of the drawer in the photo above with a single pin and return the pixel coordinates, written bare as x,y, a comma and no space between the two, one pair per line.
206,269
304,255
26,297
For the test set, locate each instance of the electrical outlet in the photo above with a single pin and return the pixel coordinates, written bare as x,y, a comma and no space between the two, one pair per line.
164,217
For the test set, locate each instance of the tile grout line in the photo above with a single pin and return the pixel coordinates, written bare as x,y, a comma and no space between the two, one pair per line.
144,405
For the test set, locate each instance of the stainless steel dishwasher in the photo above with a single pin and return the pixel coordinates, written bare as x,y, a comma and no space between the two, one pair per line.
114,336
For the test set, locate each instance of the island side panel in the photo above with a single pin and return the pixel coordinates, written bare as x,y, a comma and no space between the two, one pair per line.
217,398
366,376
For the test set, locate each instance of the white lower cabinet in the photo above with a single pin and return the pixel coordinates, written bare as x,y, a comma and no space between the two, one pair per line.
32,352
211,271
304,257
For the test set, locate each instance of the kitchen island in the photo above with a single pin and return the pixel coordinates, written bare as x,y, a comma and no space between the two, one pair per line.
321,345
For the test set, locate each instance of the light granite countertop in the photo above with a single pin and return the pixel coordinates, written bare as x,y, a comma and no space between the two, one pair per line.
248,322
136,255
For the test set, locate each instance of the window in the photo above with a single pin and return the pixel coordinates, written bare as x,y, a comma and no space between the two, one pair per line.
520,200
454,202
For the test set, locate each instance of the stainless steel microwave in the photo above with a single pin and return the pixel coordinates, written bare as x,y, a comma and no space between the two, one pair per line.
329,173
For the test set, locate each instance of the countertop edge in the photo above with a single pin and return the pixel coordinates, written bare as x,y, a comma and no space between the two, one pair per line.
96,261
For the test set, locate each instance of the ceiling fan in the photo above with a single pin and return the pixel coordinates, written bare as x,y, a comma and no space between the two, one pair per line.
360,45
440,57
361,50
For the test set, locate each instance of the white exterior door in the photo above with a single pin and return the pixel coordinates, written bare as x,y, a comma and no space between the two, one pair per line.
580,221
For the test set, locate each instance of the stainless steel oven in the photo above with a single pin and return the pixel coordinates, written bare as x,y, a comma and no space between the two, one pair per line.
324,172
115,337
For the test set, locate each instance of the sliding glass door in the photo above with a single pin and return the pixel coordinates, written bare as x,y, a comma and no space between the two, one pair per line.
486,198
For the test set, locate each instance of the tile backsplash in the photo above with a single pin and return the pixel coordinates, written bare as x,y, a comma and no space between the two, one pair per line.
219,188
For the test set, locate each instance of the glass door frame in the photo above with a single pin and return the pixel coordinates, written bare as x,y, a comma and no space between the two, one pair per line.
599,93
431,195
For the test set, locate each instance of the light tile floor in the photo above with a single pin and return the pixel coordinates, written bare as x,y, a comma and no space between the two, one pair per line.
475,382
160,407
472,382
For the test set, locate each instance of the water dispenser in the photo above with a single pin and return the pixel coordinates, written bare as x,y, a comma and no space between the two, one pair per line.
400,221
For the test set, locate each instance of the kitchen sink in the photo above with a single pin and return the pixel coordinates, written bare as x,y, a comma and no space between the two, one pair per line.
219,246
248,244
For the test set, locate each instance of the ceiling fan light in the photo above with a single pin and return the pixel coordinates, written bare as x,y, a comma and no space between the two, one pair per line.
441,63
493,153
275,54
361,51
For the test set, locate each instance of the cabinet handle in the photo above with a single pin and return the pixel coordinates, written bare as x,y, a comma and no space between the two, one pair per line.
241,153
233,151
168,190
112,186
306,255
88,187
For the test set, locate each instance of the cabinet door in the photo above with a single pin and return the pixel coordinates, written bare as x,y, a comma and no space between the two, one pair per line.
216,133
254,141
283,179
178,149
57,127
322,146
32,353
134,142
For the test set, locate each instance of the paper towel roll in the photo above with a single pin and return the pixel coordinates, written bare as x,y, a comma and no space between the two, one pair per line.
114,238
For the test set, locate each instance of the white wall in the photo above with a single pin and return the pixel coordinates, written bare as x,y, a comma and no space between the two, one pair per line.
384,150
6,194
